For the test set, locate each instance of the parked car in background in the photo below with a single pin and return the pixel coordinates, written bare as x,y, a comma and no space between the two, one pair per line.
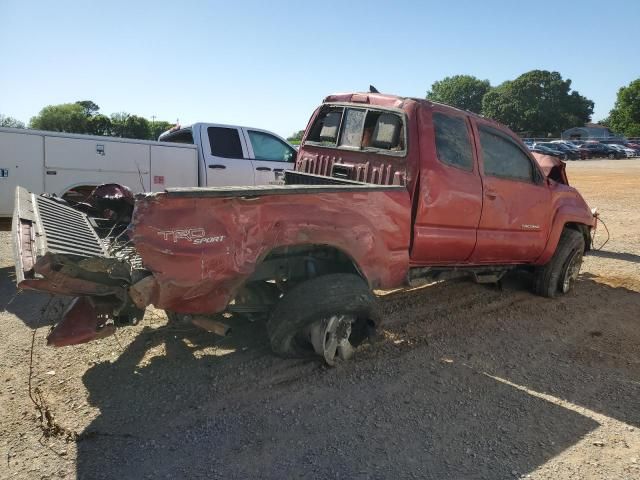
544,149
585,153
598,149
635,146
627,152
571,152
567,144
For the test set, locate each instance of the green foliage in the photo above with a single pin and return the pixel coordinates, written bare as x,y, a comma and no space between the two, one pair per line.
84,117
10,122
537,102
130,126
461,91
158,127
66,117
99,124
296,137
625,116
89,107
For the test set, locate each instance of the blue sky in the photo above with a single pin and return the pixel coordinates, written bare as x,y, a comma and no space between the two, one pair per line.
269,63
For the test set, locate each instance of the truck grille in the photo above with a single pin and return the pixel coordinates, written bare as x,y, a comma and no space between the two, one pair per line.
67,231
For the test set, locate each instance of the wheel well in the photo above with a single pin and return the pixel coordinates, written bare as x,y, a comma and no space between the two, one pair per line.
584,230
300,262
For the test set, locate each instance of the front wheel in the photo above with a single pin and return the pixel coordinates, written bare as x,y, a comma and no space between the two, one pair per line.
611,156
327,316
561,272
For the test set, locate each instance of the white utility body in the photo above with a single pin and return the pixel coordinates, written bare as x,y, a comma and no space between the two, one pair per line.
201,154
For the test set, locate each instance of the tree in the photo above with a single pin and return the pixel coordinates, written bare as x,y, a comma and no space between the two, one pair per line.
158,127
99,124
296,137
10,122
130,126
84,117
537,102
461,91
625,115
66,117
89,107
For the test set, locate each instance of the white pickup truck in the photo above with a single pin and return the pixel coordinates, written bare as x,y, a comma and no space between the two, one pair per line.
202,154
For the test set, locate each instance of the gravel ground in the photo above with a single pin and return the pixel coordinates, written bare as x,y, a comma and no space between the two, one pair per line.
466,381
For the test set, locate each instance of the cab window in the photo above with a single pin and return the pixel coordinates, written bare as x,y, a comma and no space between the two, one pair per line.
225,142
268,147
453,144
503,158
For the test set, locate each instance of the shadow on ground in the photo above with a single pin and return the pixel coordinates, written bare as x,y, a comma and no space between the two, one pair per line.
628,257
33,308
209,408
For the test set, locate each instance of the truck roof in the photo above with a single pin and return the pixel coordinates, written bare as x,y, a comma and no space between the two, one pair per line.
395,101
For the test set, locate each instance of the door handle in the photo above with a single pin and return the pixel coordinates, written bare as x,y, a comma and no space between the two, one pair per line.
263,169
278,169
491,195
218,166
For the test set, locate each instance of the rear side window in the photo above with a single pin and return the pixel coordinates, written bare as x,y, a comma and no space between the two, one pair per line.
325,129
453,144
181,136
503,158
225,142
268,147
358,128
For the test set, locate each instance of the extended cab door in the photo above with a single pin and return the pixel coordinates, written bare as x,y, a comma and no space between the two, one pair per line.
516,200
225,156
449,200
270,155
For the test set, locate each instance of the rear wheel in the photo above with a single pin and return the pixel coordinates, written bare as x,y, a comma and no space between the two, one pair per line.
327,316
560,273
611,156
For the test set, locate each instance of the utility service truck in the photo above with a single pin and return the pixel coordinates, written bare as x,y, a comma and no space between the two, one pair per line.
203,154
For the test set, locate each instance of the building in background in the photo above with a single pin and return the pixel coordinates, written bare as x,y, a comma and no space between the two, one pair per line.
591,131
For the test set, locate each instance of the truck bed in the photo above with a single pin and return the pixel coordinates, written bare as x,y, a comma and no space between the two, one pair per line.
200,245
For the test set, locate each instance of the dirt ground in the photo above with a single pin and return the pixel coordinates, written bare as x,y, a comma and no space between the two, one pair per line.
466,381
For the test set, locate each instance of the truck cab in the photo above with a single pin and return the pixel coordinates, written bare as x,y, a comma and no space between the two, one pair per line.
478,195
231,155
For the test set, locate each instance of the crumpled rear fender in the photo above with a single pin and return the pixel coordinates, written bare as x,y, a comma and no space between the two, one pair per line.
202,249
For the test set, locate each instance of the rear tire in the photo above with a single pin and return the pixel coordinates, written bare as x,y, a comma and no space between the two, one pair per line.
559,274
318,300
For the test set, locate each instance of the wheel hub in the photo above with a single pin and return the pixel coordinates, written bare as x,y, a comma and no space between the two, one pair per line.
572,271
330,338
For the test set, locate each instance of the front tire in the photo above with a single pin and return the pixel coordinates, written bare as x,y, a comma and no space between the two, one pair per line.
560,273
328,316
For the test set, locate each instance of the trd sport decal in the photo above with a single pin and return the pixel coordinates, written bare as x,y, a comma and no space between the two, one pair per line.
196,236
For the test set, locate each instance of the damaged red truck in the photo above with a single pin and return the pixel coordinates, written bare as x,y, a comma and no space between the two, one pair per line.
386,190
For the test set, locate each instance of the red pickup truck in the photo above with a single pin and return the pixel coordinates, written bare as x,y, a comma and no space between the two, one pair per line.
386,190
